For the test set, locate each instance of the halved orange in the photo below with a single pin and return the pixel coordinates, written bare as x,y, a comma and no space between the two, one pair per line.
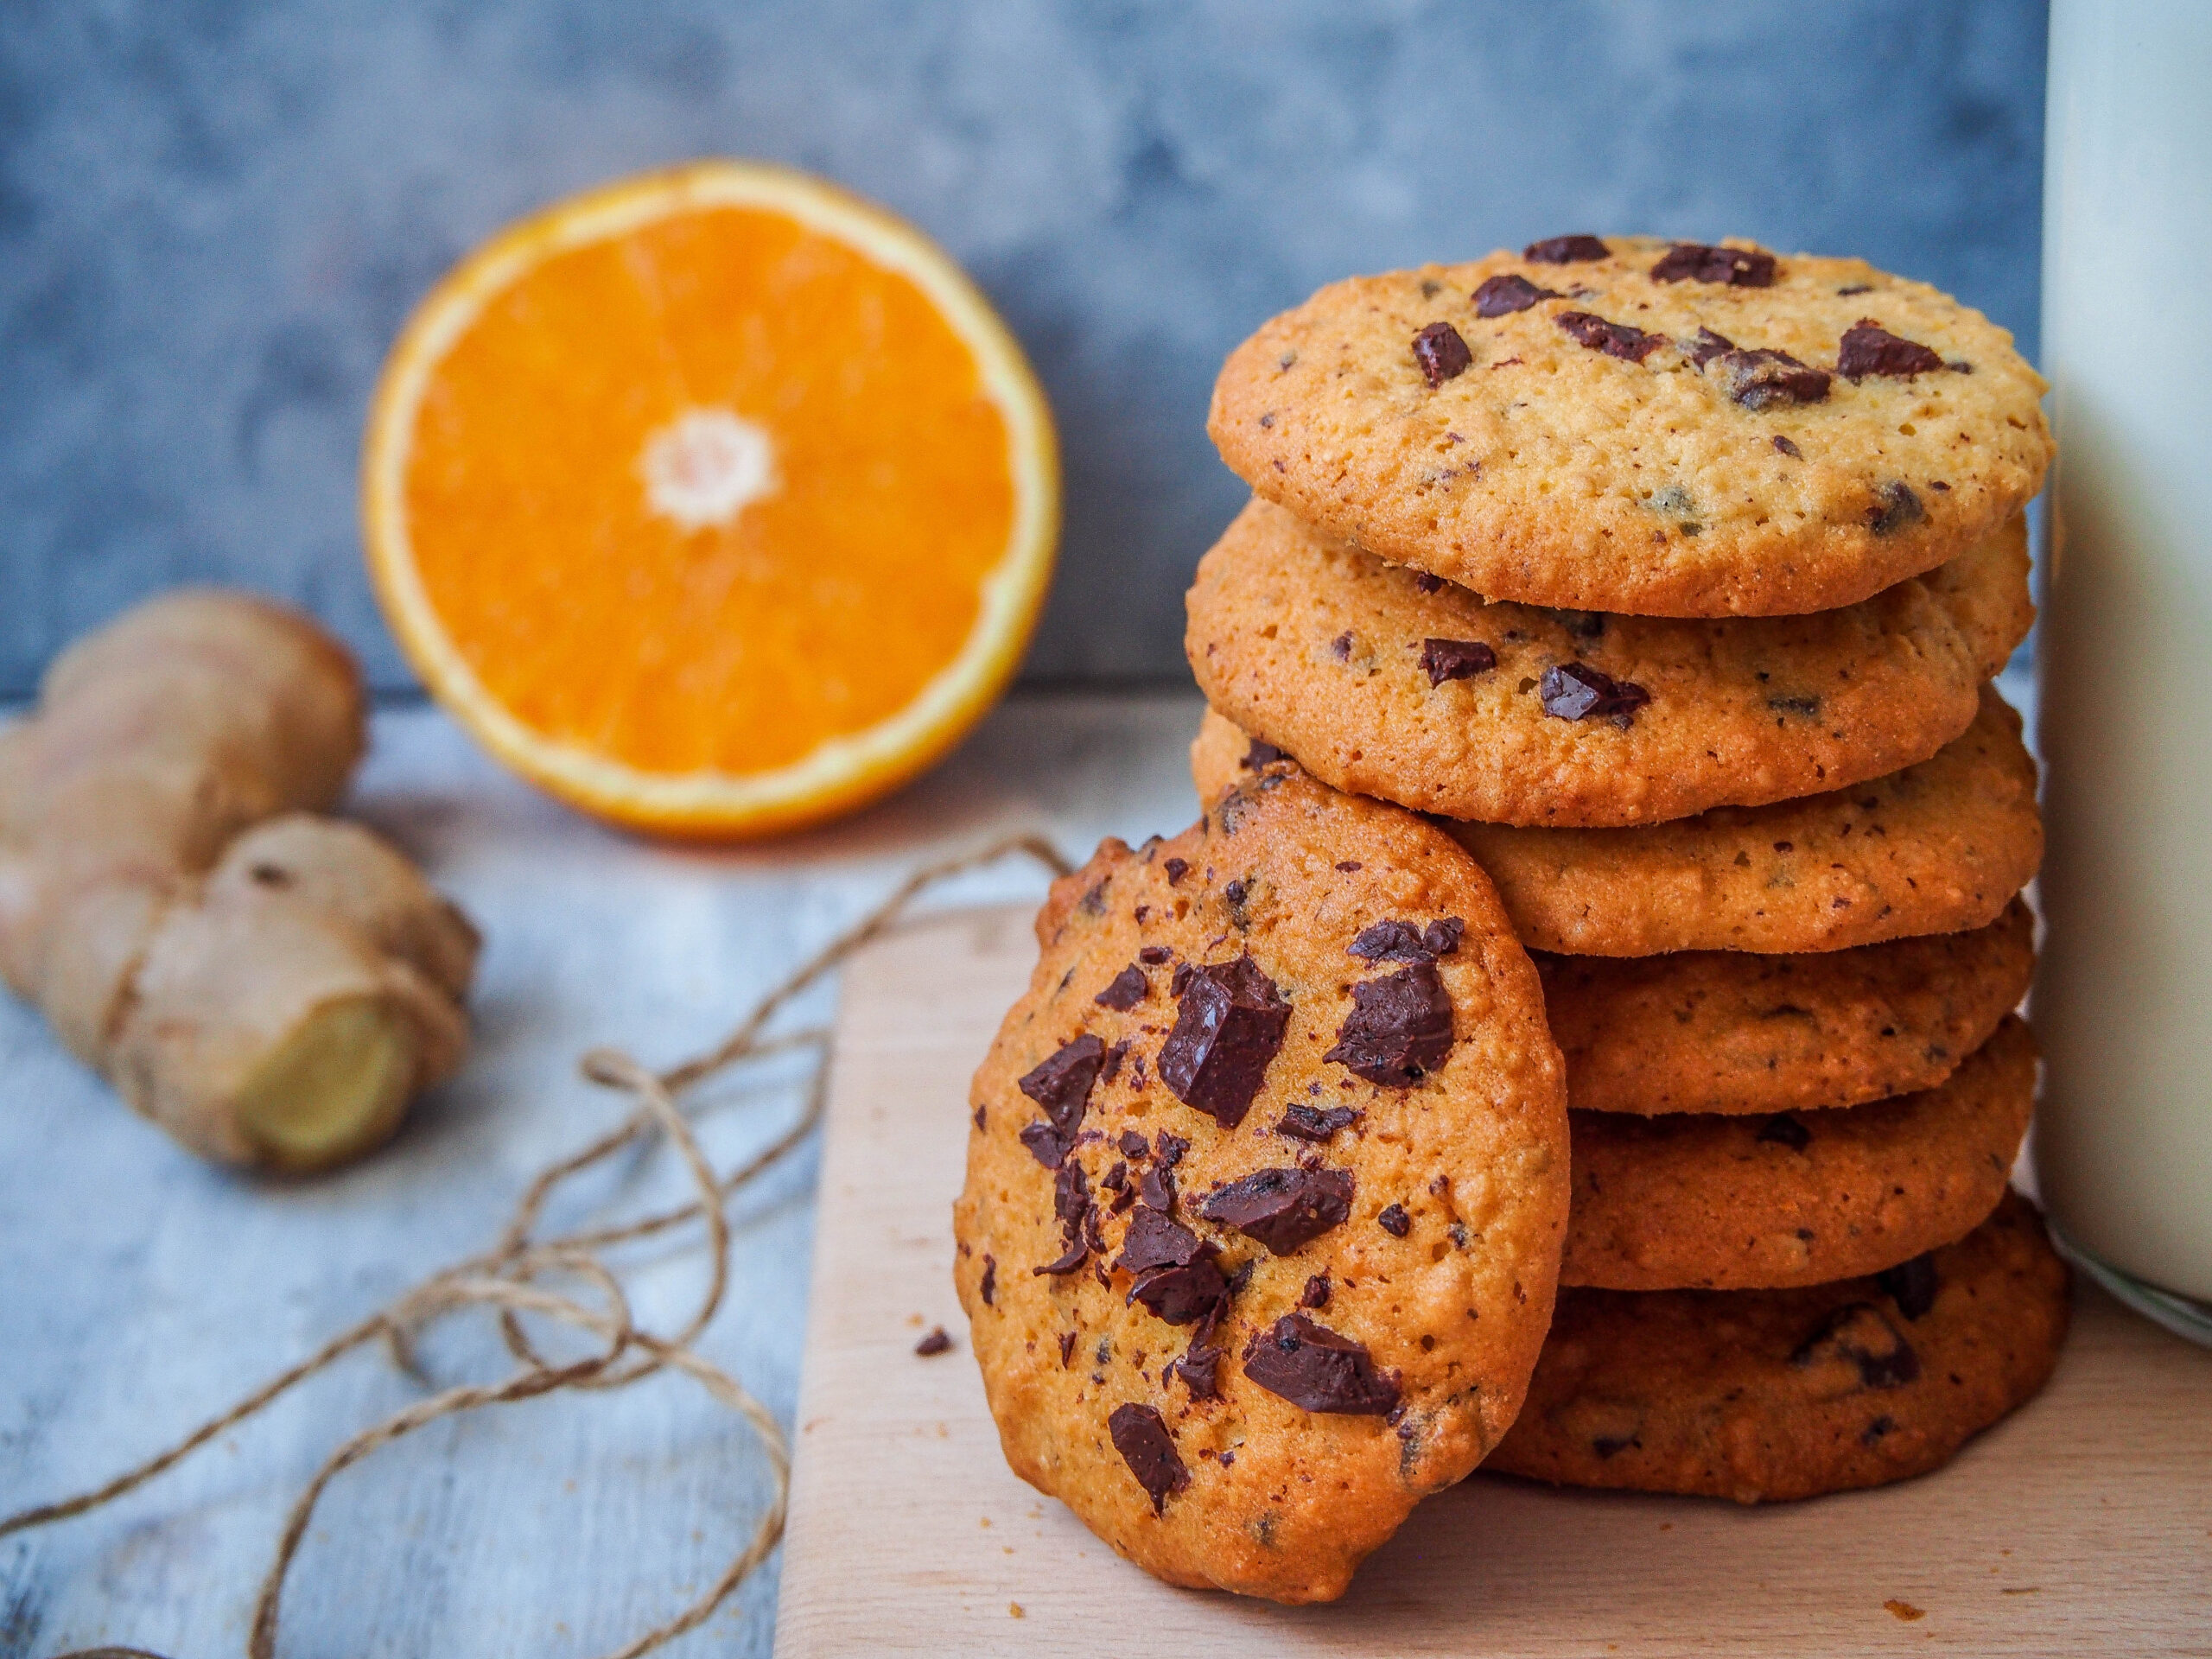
716,500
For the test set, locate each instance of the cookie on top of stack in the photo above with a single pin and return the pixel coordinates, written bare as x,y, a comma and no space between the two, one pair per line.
1669,579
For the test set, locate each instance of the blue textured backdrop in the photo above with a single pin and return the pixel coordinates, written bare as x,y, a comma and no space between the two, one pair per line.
215,214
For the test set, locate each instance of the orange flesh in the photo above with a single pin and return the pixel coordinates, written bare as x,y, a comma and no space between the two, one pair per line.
822,608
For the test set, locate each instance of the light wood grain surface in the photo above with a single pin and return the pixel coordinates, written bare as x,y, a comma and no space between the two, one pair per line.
2083,1525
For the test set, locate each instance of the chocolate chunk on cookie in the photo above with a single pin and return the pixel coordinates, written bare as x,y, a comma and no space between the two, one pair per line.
1198,1336
1695,1201
1937,848
1515,713
1609,442
1760,1395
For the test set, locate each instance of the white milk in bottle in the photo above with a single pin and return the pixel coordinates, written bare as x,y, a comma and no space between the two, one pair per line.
2123,998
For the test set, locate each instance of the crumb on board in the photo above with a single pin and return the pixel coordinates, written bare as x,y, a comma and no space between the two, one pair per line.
1905,1609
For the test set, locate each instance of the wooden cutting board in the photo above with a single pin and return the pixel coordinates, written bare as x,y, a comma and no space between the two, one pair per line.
2083,1525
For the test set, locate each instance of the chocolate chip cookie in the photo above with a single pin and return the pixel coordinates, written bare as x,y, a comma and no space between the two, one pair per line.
1727,1031
1387,681
1640,428
1694,1201
1938,848
1759,1395
1266,1189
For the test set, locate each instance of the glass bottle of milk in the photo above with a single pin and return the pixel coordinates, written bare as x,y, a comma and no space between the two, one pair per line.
2123,998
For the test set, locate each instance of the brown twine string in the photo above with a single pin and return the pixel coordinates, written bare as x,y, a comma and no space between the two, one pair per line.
506,1279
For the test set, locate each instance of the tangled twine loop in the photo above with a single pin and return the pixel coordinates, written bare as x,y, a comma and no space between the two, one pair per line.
507,1278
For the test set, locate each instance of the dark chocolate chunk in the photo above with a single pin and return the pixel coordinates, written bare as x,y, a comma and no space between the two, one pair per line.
988,1288
1738,267
936,1343
1046,1144
1230,1025
1185,1294
1262,754
1861,1335
1140,1436
1070,1196
1440,352
1855,288
1501,297
1283,1208
1067,1349
1869,348
1614,339
1200,1369
1455,659
1340,647
1770,379
1911,1285
1565,250
1788,448
1115,1179
1134,1146
1396,941
1306,1123
1894,506
1428,583
1169,1148
1608,1446
1314,1368
1181,978
1174,1271
1077,1254
1577,691
1155,1240
1783,1129
1062,1083
981,1118
1158,1188
1706,346
1398,1029
1094,902
1394,1221
1114,1056
1874,1432
1177,868
1346,866
1316,1294
1153,955
1126,990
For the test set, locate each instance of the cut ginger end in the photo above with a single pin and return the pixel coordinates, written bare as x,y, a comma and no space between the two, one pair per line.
336,1086
716,501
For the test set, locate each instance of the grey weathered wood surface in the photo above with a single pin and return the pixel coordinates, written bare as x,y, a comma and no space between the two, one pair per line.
2081,1525
141,1291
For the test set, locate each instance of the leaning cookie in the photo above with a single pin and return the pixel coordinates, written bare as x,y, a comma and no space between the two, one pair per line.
1265,1190
1727,1031
1698,1202
1386,681
1757,1395
1938,848
1621,425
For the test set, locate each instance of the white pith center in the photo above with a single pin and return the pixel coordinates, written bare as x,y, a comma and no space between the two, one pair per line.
706,466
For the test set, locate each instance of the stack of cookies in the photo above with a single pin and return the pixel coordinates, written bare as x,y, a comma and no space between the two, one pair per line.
1600,719
1669,580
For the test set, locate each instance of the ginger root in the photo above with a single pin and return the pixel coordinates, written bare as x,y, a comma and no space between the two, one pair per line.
271,986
